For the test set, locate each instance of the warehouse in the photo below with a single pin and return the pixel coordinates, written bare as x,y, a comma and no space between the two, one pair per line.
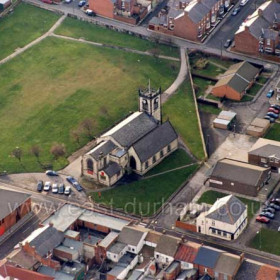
239,177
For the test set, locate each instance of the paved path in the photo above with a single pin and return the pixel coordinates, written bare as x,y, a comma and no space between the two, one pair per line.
36,41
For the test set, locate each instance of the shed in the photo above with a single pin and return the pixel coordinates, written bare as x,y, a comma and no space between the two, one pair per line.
225,120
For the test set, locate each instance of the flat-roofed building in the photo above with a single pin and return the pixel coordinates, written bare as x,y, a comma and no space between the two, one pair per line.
258,127
225,120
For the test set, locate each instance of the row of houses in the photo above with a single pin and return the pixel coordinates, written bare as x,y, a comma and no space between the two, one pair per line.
66,248
260,31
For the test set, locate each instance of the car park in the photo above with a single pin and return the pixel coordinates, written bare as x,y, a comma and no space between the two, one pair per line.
82,3
55,188
273,115
40,186
51,173
261,219
270,93
267,214
61,188
67,190
271,120
275,200
227,43
277,107
47,186
269,209
78,186
275,206
235,11
273,110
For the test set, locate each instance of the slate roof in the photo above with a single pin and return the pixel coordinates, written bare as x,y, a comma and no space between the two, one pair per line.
168,245
47,240
187,252
10,200
117,248
196,11
131,129
227,210
271,10
236,171
228,264
153,237
155,141
207,257
112,169
247,271
104,147
131,236
270,34
257,25
268,150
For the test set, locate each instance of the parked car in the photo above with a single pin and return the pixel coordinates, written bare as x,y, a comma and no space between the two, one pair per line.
236,11
271,120
277,107
243,2
227,43
51,173
47,1
275,200
261,219
40,186
270,93
269,209
61,188
267,214
90,12
273,115
78,186
275,206
82,3
55,188
71,180
273,110
68,1
47,186
67,190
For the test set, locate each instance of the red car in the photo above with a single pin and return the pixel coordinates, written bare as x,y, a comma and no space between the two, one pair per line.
47,1
273,110
262,219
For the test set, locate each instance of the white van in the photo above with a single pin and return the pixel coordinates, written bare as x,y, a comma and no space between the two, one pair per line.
243,2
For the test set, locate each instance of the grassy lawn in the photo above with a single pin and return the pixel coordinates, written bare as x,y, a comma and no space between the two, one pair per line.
210,197
223,62
262,79
274,132
201,85
23,26
180,110
145,196
267,240
254,89
79,29
50,89
209,109
177,159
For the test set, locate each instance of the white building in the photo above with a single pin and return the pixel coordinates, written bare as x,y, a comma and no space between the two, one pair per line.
226,219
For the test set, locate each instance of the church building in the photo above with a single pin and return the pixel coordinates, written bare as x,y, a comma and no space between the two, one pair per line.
136,144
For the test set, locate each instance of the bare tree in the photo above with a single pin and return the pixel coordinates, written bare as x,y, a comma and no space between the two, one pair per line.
17,153
58,150
76,134
88,125
35,150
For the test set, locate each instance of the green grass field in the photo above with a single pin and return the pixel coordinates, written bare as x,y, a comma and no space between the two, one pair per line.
274,132
23,26
210,197
209,109
267,240
146,196
180,110
49,89
79,29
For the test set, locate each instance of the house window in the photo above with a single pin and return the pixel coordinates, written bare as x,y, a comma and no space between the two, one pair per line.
157,99
168,148
154,159
145,104
90,166
157,256
268,42
167,260
133,249
103,177
213,223
213,231
161,153
224,234
205,270
263,160
271,159
104,161
146,164
219,232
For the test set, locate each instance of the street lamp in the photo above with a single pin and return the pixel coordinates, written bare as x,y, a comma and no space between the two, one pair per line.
260,240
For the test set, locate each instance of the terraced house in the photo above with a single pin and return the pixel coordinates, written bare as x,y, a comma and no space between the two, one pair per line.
190,20
260,31
137,143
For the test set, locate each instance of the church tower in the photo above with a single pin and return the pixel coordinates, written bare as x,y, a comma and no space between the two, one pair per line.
150,102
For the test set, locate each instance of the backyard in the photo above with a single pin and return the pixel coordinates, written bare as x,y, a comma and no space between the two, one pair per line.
50,89
36,22
90,32
146,196
210,197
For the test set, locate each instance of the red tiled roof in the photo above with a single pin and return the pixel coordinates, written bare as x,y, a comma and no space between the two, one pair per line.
187,252
268,272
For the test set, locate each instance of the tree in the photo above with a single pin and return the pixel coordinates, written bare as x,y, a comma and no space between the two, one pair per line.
17,153
88,125
58,150
76,134
35,150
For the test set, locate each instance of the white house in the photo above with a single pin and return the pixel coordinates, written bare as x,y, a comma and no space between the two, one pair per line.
152,238
116,251
226,219
166,249
134,237
137,143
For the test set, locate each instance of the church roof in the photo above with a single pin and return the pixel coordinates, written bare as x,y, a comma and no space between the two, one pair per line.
155,141
104,148
131,129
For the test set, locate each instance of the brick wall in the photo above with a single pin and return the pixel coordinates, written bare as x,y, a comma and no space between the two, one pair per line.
228,92
186,226
104,8
251,46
